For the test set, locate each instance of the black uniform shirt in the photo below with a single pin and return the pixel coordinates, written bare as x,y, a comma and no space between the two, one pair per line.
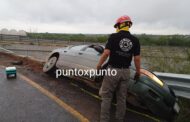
123,47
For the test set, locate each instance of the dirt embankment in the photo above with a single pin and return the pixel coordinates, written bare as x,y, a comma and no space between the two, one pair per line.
9,59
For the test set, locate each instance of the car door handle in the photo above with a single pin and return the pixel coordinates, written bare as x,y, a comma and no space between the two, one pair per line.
80,53
65,51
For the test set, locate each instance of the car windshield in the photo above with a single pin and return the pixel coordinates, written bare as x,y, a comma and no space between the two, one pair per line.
77,48
91,50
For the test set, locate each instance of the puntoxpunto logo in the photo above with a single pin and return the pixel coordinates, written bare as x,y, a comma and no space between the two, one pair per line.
89,72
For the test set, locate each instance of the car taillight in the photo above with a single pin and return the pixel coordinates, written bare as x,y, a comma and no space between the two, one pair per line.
152,76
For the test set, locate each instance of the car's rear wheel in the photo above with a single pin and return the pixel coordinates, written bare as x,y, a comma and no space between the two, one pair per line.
50,65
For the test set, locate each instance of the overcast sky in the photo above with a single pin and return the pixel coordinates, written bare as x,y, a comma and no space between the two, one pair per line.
95,16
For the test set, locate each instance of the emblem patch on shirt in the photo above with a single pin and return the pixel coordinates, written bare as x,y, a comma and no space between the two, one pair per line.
125,44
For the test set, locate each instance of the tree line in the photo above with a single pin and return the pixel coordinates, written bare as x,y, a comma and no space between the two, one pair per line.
145,39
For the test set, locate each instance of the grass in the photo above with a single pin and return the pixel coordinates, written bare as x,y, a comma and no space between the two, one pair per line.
184,115
167,59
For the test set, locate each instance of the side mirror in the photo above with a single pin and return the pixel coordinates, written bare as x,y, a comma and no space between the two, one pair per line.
99,49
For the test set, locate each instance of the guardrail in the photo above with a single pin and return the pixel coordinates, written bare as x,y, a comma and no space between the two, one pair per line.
180,83
5,50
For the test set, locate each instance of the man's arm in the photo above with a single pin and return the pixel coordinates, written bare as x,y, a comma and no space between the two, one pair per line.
103,58
137,58
137,61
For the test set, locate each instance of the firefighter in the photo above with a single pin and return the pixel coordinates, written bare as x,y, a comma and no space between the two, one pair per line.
121,48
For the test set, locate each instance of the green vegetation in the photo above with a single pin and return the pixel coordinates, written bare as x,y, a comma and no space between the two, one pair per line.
184,115
159,40
69,37
165,40
167,59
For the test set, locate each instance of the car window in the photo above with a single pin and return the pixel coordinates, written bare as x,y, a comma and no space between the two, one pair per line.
91,50
80,47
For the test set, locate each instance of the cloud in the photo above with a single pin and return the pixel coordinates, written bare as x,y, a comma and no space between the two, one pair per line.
96,16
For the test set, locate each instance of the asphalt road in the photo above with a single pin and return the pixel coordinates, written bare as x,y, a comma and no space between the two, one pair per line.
20,102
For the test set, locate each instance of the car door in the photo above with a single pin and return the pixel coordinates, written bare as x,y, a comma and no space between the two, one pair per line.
68,57
88,58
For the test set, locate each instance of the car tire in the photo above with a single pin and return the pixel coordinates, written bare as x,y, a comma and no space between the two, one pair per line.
99,79
7,76
50,66
15,75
